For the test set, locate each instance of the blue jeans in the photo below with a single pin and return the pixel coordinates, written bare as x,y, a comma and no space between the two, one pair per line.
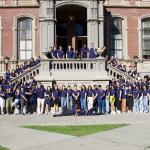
63,102
145,104
141,104
69,102
101,105
83,104
107,105
136,105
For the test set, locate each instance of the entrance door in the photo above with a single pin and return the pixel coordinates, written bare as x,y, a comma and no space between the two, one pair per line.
80,41
71,26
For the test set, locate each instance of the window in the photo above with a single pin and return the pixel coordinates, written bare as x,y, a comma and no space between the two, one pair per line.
116,41
24,38
146,38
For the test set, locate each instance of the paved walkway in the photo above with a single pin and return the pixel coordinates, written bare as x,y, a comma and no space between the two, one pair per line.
136,136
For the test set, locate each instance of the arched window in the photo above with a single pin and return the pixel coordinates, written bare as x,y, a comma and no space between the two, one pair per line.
146,38
116,38
25,45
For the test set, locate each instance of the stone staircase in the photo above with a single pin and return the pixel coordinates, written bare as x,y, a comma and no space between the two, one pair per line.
71,72
114,72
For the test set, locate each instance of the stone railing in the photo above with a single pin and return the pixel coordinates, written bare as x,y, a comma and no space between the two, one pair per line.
77,65
34,71
115,72
72,70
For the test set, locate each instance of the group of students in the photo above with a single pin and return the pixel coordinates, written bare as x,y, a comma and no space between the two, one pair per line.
9,75
131,70
118,97
85,52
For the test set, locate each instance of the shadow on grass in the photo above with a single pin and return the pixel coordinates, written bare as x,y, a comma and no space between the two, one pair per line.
77,130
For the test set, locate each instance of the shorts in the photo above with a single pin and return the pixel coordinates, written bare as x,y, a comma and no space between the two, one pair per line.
112,99
56,101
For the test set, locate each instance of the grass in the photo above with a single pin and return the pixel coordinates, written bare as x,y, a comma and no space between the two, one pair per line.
3,148
147,147
77,130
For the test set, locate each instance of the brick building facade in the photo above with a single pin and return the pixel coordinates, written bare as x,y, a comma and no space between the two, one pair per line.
30,27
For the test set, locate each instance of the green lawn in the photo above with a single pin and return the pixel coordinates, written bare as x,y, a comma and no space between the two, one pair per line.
3,148
79,130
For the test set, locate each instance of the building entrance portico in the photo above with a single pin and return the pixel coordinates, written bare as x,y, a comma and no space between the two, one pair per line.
71,26
72,22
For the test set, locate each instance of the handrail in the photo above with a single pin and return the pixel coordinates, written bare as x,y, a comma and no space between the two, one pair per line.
26,72
118,71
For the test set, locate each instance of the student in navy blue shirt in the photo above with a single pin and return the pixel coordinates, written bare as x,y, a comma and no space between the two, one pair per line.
84,51
92,53
69,53
21,69
32,102
54,53
55,97
17,70
129,96
100,94
112,99
76,101
107,99
32,63
48,100
136,99
23,101
83,98
90,99
118,97
25,66
40,98
60,53
63,97
49,54
16,101
69,98
75,54
13,74
2,100
7,75
38,61
9,99
145,100
123,99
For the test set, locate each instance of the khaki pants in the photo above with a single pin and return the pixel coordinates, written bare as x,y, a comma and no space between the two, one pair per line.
40,105
9,102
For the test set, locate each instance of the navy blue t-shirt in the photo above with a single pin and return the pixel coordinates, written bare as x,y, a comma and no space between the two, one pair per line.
60,54
118,90
75,92
63,93
145,92
90,93
100,94
55,94
83,93
41,92
92,53
136,93
69,54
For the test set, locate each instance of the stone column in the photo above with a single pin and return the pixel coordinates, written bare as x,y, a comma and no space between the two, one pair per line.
101,24
92,23
47,24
